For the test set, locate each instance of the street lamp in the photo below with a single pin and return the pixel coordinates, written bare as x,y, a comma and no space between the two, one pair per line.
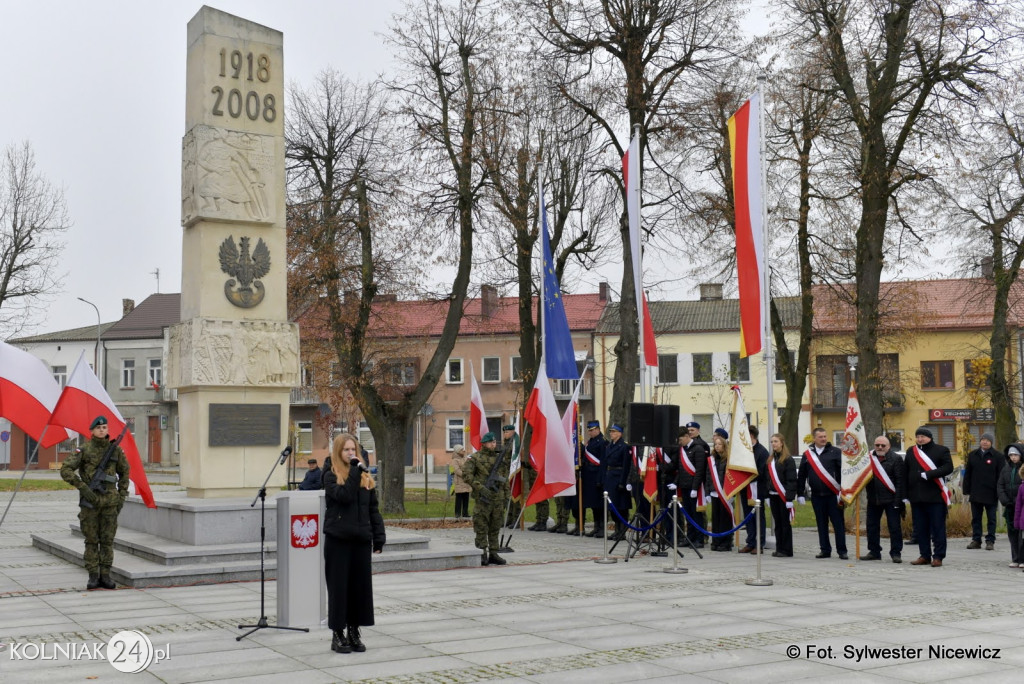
99,332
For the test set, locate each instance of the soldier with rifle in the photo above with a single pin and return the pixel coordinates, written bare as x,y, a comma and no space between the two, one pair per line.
99,471
487,473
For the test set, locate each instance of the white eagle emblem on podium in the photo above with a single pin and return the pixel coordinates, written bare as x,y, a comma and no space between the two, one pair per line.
305,530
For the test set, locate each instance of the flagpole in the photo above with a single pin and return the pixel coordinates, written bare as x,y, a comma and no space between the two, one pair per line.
766,280
24,472
639,287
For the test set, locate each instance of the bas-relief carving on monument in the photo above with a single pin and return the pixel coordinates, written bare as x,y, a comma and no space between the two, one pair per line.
229,353
244,271
225,176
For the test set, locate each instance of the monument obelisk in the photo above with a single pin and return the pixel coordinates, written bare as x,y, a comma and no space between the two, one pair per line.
234,356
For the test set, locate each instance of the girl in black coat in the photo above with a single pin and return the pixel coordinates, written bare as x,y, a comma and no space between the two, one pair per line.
781,497
353,527
721,511
1009,483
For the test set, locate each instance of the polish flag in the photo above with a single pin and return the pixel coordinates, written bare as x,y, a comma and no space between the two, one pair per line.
28,394
631,181
81,401
549,446
477,417
650,472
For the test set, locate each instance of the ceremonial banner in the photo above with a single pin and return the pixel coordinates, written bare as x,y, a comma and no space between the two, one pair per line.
856,471
650,473
28,394
477,417
549,446
557,340
515,469
742,468
745,150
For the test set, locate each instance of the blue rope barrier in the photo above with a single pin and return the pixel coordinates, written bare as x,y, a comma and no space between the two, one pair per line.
741,525
655,523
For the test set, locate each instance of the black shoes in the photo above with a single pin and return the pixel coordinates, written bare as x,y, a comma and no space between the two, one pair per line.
559,529
843,556
779,554
538,527
990,546
575,532
824,555
94,581
339,644
596,532
975,544
353,639
485,560
495,559
107,583
870,556
897,559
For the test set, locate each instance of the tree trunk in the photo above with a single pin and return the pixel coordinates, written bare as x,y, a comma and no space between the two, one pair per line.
1002,398
626,349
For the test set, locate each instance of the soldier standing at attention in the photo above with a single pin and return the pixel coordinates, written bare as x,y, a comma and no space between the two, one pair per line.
590,477
487,473
98,512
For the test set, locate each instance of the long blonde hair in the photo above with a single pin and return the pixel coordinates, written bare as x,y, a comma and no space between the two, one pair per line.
725,446
784,454
340,465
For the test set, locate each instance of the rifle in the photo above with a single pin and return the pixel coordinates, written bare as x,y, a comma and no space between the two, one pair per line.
100,477
493,482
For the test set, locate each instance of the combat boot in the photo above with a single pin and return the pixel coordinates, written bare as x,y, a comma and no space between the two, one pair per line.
94,581
495,559
484,560
339,643
560,528
106,582
538,527
353,638
575,532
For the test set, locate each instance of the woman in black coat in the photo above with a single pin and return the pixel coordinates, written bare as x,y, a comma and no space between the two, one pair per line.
353,527
1009,483
781,470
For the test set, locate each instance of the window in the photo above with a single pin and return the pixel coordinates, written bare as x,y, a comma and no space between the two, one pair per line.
895,439
365,437
492,369
455,433
702,368
973,378
494,424
937,375
517,369
307,376
837,437
401,373
778,371
739,369
304,437
668,369
60,374
454,376
127,373
706,422
333,374
156,373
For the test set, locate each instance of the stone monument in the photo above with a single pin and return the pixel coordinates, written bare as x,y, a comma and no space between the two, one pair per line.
235,356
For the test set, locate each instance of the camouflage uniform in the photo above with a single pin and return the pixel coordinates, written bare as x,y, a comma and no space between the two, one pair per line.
99,524
489,510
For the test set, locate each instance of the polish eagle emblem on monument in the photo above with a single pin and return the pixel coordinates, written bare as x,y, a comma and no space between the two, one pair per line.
244,289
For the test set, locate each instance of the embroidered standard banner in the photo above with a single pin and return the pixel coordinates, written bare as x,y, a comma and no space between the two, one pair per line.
855,470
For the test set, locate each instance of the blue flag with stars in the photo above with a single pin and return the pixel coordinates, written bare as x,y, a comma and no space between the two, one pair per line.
559,356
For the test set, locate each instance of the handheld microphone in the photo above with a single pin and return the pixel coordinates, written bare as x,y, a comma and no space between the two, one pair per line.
359,462
285,454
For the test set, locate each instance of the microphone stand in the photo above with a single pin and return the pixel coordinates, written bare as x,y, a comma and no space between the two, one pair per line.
262,497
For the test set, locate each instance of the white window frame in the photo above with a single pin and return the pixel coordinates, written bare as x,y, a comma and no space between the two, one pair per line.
663,382
454,424
693,368
304,437
127,373
155,373
483,369
775,368
448,371
60,374
512,369
739,360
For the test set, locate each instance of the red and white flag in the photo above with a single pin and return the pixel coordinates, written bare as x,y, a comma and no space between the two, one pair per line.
81,401
745,149
631,181
856,465
550,448
477,416
28,394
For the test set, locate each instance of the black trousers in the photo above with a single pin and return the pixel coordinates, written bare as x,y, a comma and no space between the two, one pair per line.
874,526
751,529
990,511
462,505
930,525
826,508
1014,536
783,527
721,521
349,582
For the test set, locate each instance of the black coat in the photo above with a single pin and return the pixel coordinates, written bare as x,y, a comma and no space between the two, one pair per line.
698,454
615,467
590,474
924,490
981,474
352,511
787,474
832,459
312,480
878,493
761,460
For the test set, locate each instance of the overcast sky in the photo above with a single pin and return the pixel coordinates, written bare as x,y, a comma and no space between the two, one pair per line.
98,89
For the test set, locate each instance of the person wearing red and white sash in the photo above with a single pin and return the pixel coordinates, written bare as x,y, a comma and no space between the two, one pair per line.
721,508
885,493
590,477
756,490
925,466
693,462
781,469
821,468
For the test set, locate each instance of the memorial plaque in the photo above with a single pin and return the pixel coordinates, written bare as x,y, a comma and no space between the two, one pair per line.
245,424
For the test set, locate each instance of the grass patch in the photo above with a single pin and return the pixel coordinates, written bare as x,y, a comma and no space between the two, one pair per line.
32,485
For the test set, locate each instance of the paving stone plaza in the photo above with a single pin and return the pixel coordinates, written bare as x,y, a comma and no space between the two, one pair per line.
551,615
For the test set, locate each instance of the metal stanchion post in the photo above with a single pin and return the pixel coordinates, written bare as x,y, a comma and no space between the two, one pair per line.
675,569
758,581
607,558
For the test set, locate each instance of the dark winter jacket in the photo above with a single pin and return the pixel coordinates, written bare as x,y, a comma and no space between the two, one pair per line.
698,456
832,459
981,474
878,493
924,490
1018,510
1009,483
787,474
352,512
312,480
761,460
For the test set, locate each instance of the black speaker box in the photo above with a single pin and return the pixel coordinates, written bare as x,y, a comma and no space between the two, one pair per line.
666,425
641,425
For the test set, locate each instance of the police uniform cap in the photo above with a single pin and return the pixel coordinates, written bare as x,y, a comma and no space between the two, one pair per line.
616,427
592,424
489,437
97,421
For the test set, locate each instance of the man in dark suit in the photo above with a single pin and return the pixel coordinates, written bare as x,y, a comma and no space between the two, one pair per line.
981,474
822,469
615,468
590,476
760,484
925,466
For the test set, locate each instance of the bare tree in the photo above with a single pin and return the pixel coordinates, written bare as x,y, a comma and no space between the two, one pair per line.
33,215
896,65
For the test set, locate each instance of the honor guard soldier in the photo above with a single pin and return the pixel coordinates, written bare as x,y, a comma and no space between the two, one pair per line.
693,464
615,468
487,473
99,471
590,477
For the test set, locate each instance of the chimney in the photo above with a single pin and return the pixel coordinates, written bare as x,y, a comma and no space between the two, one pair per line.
710,291
488,301
127,306
602,291
382,298
986,267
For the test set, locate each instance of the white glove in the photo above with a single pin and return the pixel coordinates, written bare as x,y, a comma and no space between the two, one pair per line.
789,504
693,493
629,488
924,476
802,500
672,487
714,495
906,501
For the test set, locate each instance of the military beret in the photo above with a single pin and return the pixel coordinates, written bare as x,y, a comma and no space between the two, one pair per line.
593,424
489,437
693,424
509,427
923,431
97,421
616,427
721,432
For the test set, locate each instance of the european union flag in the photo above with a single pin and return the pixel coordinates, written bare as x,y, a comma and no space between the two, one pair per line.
558,352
